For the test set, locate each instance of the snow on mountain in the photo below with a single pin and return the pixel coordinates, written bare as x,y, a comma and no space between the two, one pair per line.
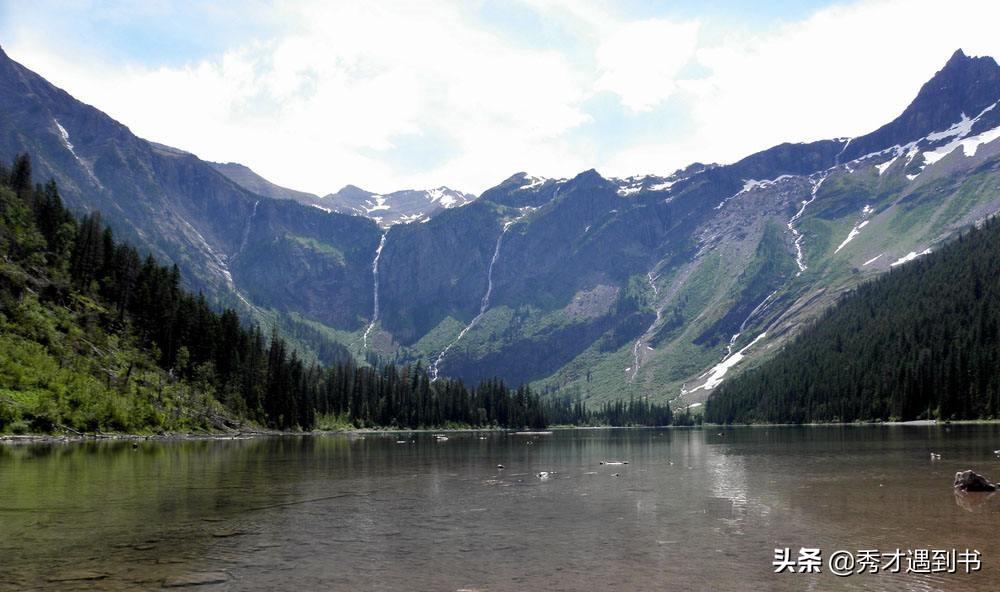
910,257
398,207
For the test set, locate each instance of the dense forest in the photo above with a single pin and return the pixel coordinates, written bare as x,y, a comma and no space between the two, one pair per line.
94,336
922,341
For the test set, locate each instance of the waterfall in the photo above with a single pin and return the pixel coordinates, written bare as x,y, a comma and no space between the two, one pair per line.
246,230
484,303
636,358
378,255
800,258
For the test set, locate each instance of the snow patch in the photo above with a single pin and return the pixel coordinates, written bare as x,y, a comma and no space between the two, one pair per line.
909,257
850,236
960,129
409,218
443,196
969,145
531,183
716,374
872,260
630,190
379,204
885,165
752,184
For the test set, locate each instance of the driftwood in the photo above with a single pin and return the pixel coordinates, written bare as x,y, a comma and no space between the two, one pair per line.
68,429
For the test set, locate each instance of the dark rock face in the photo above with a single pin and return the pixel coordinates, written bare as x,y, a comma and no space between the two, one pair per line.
965,85
969,480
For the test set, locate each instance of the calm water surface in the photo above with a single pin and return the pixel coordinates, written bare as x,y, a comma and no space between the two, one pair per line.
693,510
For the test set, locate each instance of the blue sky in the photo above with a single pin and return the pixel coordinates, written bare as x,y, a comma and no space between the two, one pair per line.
389,95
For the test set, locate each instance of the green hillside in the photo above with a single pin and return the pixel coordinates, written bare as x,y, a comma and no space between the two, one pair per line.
96,338
922,341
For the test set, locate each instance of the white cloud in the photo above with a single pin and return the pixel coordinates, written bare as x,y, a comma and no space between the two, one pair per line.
641,61
329,99
844,71
313,108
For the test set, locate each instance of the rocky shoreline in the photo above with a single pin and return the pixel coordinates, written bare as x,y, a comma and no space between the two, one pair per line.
15,439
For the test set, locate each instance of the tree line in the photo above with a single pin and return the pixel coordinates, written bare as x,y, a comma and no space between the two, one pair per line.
920,342
256,376
566,410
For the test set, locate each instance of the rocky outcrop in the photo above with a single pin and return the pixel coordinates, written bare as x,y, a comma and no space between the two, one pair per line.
970,480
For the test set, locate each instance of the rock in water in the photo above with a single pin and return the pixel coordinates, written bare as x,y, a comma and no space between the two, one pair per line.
76,576
970,480
196,579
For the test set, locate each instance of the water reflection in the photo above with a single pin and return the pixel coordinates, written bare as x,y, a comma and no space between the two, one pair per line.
972,501
693,509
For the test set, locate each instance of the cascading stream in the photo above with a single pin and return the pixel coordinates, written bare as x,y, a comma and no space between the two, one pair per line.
800,258
636,349
246,230
375,311
483,305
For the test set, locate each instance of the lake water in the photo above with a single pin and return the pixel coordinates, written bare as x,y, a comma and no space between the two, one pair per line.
693,510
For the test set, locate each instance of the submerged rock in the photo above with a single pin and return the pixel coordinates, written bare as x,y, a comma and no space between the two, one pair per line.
76,576
196,579
970,480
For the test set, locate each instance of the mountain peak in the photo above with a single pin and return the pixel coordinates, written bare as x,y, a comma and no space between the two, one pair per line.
964,86
589,176
957,58
351,192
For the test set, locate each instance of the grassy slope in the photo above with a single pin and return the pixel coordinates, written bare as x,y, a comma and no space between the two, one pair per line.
59,371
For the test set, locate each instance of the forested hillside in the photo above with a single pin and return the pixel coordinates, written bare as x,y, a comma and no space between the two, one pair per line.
922,341
96,337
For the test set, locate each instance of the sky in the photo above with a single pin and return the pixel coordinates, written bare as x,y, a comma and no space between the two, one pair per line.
317,94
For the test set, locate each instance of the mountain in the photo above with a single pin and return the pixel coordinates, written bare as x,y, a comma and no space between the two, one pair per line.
589,287
254,183
920,342
95,339
662,285
232,244
398,207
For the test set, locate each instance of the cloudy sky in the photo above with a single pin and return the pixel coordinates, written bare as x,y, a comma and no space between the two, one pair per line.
389,95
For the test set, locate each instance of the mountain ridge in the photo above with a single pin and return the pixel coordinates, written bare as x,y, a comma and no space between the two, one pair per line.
651,285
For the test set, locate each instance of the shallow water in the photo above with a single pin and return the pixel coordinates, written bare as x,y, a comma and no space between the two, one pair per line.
693,509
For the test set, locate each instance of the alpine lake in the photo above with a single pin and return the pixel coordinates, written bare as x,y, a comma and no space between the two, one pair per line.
693,509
